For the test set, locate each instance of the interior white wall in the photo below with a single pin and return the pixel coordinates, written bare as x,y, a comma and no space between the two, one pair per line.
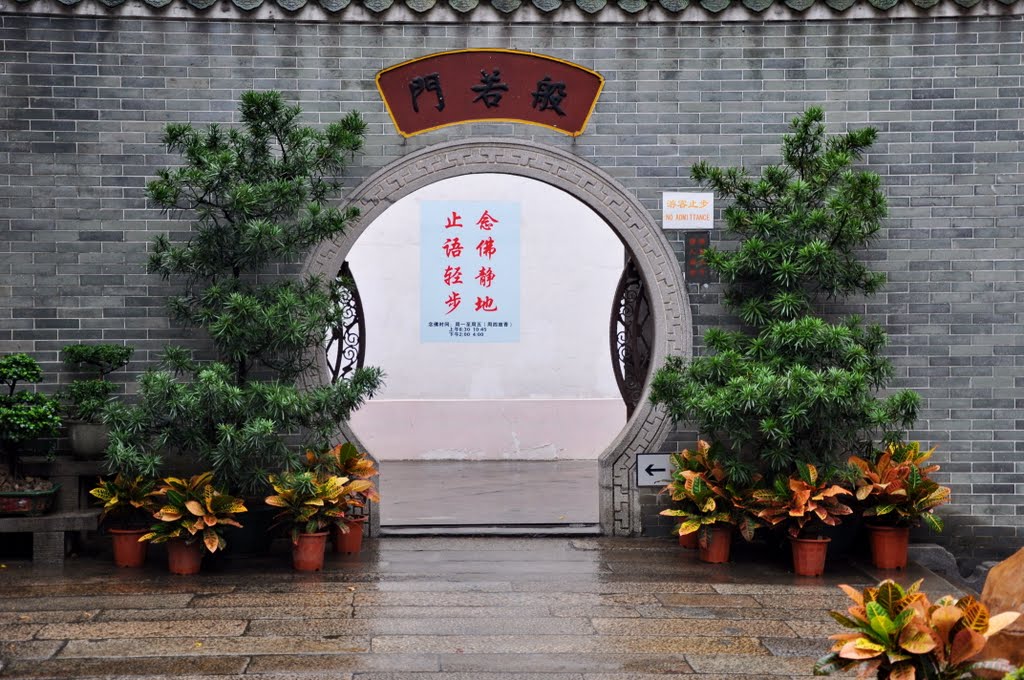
552,395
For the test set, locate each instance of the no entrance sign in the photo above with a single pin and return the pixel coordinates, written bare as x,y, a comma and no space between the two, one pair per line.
653,469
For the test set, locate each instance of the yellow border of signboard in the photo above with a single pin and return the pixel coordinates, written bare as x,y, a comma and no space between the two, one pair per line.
586,120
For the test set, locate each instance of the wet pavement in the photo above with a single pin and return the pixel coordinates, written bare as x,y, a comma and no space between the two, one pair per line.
429,609
489,492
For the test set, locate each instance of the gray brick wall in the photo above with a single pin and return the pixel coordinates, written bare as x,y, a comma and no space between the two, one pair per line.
84,101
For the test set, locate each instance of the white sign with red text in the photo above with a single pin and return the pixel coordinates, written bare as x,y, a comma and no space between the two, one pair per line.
682,210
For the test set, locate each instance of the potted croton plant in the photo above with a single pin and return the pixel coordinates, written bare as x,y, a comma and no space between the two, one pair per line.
129,502
897,493
310,503
24,417
895,633
805,503
712,503
345,460
193,514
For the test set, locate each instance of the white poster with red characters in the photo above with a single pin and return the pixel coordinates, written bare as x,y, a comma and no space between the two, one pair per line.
469,271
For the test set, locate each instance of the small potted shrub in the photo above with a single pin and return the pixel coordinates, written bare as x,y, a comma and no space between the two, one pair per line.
128,506
805,503
345,460
311,503
24,417
712,503
897,634
85,399
193,515
897,493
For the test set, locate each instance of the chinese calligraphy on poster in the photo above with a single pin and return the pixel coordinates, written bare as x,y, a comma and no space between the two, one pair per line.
469,271
681,210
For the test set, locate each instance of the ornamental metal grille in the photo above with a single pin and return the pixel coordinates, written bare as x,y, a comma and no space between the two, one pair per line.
346,345
632,331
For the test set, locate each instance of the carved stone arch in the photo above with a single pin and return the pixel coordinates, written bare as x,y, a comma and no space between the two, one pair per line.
648,427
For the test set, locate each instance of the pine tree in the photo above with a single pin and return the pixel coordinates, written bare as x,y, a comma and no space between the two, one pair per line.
791,386
258,196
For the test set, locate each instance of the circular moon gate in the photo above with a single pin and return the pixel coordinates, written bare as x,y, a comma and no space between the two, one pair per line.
651,254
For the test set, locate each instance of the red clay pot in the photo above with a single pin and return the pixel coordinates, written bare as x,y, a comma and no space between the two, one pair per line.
688,541
889,546
308,551
128,552
719,541
351,542
809,555
184,558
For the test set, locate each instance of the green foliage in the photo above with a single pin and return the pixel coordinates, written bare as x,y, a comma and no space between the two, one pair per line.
16,368
87,399
194,509
791,386
103,359
259,195
24,416
240,430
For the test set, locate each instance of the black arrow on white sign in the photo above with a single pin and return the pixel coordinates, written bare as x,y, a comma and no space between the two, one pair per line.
650,469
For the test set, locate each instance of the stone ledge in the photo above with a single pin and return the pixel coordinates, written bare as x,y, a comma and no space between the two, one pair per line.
82,520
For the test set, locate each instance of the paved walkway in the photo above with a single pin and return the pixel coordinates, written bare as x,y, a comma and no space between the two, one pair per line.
488,492
426,609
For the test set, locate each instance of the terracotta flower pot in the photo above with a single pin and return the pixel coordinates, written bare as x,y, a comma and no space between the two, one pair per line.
351,542
308,551
184,558
718,543
688,541
889,546
809,555
128,552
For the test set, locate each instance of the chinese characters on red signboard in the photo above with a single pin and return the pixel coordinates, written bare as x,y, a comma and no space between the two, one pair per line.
469,271
489,85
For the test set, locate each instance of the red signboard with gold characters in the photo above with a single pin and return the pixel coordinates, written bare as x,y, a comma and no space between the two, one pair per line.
466,86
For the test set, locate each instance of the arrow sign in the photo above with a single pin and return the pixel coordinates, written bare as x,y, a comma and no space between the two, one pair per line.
652,469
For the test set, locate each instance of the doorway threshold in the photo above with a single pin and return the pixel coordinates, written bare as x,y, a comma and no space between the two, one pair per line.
578,529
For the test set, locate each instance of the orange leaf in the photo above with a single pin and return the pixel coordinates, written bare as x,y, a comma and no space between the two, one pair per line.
966,643
853,594
902,671
860,649
944,618
916,639
1000,621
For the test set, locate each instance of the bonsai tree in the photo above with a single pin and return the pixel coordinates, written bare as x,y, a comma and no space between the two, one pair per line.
24,416
259,197
85,399
789,385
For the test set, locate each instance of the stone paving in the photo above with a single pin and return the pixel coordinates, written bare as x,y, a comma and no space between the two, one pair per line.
428,608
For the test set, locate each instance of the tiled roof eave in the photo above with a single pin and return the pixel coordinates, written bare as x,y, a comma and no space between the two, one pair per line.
559,10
